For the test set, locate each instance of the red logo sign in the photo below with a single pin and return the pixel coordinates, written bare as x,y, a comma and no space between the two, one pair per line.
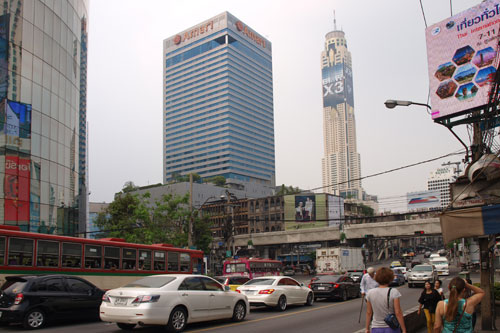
239,26
177,40
250,34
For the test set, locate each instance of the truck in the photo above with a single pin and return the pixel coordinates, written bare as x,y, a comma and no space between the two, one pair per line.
339,260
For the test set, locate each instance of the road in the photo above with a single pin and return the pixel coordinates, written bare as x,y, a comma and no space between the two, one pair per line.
323,316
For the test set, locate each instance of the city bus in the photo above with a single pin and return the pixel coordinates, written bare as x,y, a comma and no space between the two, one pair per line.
251,267
108,263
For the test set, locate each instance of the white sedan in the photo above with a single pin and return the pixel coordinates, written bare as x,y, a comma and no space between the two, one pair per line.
172,301
276,291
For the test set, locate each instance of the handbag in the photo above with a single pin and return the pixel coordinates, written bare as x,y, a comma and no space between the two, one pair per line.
391,319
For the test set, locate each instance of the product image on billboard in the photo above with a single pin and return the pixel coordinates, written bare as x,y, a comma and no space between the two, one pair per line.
305,211
461,52
424,200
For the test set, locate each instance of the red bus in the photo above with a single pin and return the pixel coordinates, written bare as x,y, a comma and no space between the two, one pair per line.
251,267
108,263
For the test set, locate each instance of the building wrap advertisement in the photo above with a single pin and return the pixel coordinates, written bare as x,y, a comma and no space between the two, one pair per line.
15,129
423,200
17,190
461,52
305,211
337,85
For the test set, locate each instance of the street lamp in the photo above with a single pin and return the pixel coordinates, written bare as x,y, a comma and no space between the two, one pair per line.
392,103
229,197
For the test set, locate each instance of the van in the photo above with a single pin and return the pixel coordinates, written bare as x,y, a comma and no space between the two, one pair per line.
441,265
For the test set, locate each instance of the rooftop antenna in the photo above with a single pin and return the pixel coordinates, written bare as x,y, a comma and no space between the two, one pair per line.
334,21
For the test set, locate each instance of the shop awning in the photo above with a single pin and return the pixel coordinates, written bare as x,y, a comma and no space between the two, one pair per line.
470,222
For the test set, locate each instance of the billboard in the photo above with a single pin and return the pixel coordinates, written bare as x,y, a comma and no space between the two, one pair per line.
4,55
17,190
305,211
15,126
423,200
335,210
461,52
337,83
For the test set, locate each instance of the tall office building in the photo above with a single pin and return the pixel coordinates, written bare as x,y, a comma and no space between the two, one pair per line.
218,103
43,168
440,180
341,166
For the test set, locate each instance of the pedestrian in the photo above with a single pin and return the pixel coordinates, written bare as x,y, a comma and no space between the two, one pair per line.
455,313
437,286
429,300
382,302
368,282
468,294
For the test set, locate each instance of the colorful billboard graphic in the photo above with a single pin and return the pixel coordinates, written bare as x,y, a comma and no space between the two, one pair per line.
337,84
15,134
424,200
4,55
461,54
17,189
305,211
335,210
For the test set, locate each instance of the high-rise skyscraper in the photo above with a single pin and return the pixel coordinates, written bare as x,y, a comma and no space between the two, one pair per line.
341,166
218,102
43,165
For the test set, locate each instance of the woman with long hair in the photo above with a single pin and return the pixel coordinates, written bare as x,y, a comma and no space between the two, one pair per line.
437,286
455,313
429,299
377,307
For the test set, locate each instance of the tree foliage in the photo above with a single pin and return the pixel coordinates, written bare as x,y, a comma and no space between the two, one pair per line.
286,190
138,219
217,180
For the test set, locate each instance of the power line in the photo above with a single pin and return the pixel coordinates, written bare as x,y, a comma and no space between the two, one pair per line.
423,14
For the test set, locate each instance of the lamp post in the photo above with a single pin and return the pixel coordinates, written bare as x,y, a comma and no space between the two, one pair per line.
228,195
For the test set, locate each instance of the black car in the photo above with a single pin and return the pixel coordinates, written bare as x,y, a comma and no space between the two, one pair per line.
355,275
335,287
33,300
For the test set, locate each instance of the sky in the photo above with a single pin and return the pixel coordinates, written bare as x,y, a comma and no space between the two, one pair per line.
386,39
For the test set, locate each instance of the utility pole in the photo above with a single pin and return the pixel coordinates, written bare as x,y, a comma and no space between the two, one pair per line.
231,246
191,217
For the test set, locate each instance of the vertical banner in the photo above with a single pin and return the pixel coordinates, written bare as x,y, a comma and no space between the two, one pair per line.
35,197
18,127
4,55
17,189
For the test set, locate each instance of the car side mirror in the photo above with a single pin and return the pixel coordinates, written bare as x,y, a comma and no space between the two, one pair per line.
301,284
227,288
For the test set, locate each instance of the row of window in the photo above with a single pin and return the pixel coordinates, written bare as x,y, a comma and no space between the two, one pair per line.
226,149
54,254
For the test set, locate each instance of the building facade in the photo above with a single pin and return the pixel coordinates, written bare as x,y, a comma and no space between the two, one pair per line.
43,164
218,103
439,180
341,166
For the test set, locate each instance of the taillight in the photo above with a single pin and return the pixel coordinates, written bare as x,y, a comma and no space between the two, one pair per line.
335,285
266,291
146,299
309,286
19,298
105,298
238,291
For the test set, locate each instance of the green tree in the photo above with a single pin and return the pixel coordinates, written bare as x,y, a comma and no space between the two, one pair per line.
217,180
286,190
202,235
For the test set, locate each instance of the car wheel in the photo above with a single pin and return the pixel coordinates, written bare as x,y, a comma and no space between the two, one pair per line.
344,296
310,299
240,311
177,321
282,303
125,327
35,318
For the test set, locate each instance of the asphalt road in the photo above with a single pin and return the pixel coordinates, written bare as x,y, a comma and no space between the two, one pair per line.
323,316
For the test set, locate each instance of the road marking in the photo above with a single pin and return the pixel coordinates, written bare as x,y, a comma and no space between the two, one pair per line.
269,318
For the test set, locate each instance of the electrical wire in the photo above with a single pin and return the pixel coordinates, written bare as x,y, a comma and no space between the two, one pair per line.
423,14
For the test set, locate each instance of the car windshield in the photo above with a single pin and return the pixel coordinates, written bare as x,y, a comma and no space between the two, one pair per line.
220,279
260,282
151,282
422,268
355,274
13,285
440,262
326,278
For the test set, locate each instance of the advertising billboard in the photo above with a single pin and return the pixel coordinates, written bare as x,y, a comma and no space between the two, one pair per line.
424,200
305,211
335,210
337,84
17,189
4,55
461,53
15,129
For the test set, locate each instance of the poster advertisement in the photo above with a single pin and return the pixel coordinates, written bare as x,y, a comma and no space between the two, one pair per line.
461,51
17,189
337,83
4,55
335,210
305,211
35,197
15,134
423,200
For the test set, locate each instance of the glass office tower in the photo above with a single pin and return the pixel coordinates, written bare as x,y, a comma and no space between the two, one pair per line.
43,115
218,103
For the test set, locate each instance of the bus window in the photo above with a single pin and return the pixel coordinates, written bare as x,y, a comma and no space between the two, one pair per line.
185,262
72,255
159,261
145,260
173,262
2,250
93,256
111,257
47,254
129,258
20,252
236,268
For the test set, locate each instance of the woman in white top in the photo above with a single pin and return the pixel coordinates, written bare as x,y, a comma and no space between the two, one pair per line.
377,308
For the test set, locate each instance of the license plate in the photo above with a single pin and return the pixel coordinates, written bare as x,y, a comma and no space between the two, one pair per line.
321,288
249,292
121,301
